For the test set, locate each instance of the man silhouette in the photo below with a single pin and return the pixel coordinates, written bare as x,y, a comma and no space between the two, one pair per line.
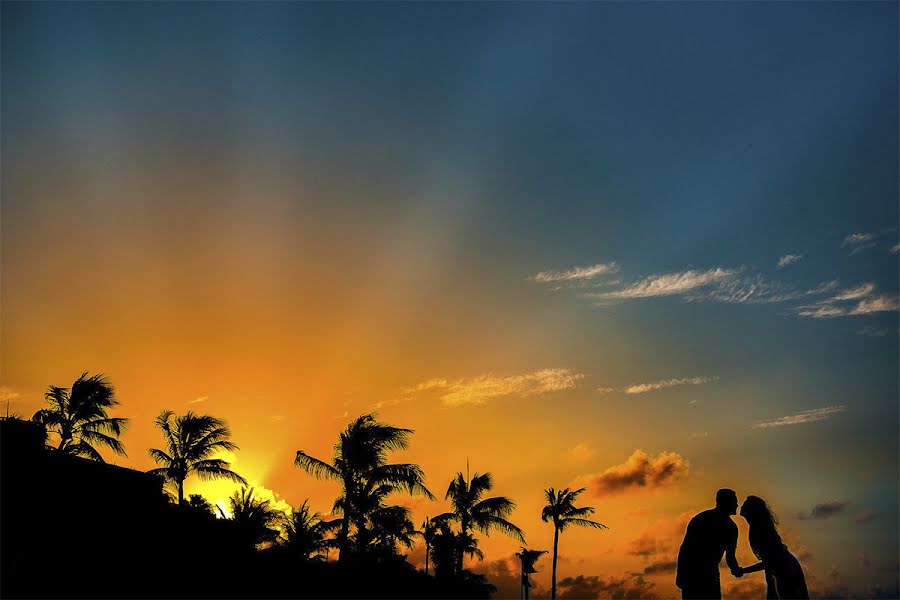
709,535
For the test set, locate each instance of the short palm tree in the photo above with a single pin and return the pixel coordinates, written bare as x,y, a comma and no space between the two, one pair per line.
78,416
255,518
191,442
200,505
306,534
562,512
360,465
528,558
392,526
475,513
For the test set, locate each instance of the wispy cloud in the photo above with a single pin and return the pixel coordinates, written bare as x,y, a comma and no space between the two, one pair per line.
855,239
856,293
582,452
856,301
857,242
668,284
873,332
895,249
643,388
788,259
576,273
198,400
480,389
865,516
807,416
826,510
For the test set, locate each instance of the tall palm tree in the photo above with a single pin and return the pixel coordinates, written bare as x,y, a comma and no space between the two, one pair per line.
562,512
191,441
528,558
360,465
78,416
255,517
428,531
475,513
305,533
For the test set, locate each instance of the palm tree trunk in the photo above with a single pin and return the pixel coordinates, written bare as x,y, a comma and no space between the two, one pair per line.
181,492
553,577
463,526
342,541
426,559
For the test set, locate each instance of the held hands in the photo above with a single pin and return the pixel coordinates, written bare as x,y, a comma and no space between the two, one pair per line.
738,572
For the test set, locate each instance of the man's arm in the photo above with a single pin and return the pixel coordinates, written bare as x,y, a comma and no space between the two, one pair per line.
730,549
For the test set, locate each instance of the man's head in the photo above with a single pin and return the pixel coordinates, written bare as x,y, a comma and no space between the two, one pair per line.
726,501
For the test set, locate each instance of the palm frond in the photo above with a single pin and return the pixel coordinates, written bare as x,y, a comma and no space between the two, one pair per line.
95,437
501,525
315,467
113,425
568,522
213,469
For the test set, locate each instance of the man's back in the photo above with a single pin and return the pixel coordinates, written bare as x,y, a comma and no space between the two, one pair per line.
708,536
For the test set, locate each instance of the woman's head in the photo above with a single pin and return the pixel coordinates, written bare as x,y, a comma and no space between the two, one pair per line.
764,538
755,510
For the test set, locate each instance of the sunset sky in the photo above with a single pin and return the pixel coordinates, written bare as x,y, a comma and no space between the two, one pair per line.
650,249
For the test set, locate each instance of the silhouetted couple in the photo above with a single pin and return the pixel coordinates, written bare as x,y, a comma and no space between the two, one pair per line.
712,533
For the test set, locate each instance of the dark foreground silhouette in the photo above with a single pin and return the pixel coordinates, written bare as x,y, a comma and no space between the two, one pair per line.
712,533
709,535
784,575
78,528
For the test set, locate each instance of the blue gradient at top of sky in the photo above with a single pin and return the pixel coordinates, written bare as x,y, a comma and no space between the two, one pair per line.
661,136
657,130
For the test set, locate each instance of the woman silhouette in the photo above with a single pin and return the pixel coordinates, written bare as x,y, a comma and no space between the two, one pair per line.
784,576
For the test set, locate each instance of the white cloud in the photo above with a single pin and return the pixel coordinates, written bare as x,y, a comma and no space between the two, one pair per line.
854,239
856,293
576,273
821,311
480,389
882,303
642,388
788,259
668,284
895,249
807,416
841,304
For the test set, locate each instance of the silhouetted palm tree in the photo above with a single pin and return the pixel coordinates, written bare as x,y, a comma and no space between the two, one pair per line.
428,531
306,534
255,517
191,441
360,465
78,416
200,505
528,558
391,525
561,510
474,513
